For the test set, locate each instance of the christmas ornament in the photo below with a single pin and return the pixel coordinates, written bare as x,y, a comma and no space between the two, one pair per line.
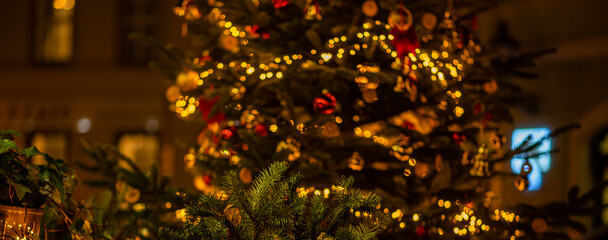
238,91
423,119
228,133
207,179
421,231
355,162
312,10
280,3
404,41
229,43
190,159
368,81
261,130
521,181
325,103
573,233
187,80
408,125
245,175
369,8
401,18
539,225
481,166
458,137
203,184
186,9
428,21
132,195
497,140
438,163
181,215
205,106
173,93
120,186
330,130
412,90
256,31
407,172
422,169
233,214
291,146
490,87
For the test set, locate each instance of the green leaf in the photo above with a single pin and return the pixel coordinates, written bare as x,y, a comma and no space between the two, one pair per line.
6,144
21,190
31,151
107,235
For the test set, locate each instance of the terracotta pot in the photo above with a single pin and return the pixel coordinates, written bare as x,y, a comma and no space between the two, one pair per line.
19,222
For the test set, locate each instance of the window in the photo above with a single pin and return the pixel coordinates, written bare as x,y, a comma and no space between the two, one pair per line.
539,164
142,148
603,152
55,144
137,16
599,171
54,31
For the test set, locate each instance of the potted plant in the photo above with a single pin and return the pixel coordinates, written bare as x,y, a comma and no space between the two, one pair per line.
26,187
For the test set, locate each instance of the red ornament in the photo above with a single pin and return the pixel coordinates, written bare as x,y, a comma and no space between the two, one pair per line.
261,130
477,108
228,133
404,41
325,103
205,106
408,125
458,138
280,3
421,231
207,179
256,31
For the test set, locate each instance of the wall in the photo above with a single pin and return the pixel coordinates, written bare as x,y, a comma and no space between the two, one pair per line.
571,89
116,97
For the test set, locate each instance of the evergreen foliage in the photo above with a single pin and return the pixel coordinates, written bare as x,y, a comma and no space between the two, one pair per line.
273,208
411,107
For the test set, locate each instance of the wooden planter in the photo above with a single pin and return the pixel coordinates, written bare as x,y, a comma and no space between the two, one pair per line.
19,222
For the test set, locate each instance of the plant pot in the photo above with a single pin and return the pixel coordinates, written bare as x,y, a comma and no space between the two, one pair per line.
19,222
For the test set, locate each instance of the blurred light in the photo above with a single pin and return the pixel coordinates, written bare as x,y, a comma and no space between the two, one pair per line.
83,125
151,126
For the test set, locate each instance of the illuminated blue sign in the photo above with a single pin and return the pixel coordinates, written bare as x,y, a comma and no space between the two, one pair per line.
539,164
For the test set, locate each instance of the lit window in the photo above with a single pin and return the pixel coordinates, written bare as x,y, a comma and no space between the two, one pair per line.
142,148
54,31
55,144
601,155
539,164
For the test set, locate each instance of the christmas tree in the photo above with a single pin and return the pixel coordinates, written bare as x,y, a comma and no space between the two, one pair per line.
397,94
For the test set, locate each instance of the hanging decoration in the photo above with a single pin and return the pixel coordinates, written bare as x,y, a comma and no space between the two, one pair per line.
368,81
522,183
369,8
325,103
312,10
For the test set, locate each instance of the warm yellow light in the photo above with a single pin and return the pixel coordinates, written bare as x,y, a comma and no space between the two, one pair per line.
416,217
